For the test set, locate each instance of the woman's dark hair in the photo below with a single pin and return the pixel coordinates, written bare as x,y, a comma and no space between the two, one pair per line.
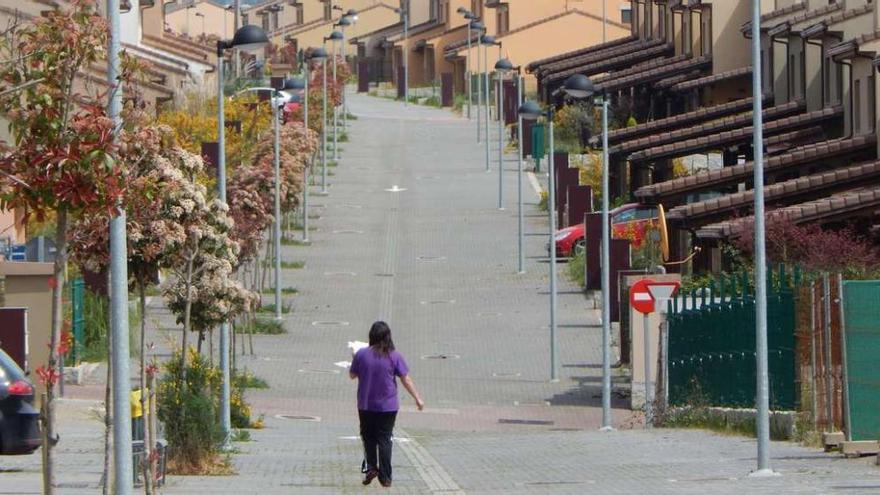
380,338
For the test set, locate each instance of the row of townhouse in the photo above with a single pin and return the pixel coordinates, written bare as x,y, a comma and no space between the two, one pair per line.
176,66
685,71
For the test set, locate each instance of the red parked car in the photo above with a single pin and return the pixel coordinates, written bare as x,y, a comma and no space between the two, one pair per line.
630,221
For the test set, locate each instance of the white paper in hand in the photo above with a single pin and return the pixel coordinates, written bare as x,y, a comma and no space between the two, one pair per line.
356,346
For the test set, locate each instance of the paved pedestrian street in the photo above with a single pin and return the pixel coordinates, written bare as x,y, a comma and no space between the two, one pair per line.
410,233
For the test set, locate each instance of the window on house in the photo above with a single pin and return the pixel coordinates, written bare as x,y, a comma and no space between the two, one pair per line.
244,19
839,82
265,19
328,10
826,81
792,71
275,19
477,8
503,19
626,15
857,106
299,13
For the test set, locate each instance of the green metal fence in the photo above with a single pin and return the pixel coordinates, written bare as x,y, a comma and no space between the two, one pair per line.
711,343
861,310
77,317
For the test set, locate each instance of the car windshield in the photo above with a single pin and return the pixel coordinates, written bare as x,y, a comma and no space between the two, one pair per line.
9,370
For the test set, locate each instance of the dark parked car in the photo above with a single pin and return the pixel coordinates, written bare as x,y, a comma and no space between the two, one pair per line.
19,420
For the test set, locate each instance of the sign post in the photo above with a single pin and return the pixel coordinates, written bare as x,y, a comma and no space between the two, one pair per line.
643,297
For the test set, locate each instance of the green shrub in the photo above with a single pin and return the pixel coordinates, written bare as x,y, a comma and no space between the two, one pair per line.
459,102
262,326
576,266
243,379
270,308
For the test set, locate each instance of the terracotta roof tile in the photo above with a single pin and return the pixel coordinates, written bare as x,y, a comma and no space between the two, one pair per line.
664,69
839,205
712,79
789,190
537,64
804,155
783,125
600,55
707,128
610,62
681,120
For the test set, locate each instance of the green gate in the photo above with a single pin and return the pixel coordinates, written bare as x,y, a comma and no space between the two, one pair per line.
77,317
861,310
711,343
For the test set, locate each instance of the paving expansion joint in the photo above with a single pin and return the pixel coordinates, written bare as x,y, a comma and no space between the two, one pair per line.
431,472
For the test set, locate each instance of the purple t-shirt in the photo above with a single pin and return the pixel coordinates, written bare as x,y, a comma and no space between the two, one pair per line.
377,386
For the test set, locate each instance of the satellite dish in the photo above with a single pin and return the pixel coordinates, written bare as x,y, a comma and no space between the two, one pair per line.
664,233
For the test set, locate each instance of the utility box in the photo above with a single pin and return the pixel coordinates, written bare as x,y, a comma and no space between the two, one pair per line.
538,144
26,285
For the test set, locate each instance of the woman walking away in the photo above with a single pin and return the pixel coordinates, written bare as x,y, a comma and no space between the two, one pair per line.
376,367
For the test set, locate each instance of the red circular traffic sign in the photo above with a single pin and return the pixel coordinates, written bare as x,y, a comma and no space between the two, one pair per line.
640,297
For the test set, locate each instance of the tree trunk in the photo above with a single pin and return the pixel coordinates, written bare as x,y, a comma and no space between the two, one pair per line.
54,340
186,322
148,448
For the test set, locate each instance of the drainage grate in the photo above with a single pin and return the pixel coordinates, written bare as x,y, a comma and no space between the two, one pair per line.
298,417
330,323
348,231
533,422
488,314
441,356
506,375
384,274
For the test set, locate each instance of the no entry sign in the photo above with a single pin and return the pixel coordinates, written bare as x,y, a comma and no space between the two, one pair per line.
644,294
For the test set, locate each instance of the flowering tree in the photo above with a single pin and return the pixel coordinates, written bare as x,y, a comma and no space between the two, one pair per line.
60,161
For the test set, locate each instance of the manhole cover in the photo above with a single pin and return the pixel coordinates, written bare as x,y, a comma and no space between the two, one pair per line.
340,274
329,323
439,301
384,274
348,231
506,375
488,314
395,189
298,417
430,259
532,422
318,372
441,356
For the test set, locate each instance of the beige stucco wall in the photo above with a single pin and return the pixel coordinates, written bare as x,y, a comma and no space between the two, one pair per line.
216,20
730,49
570,32
368,21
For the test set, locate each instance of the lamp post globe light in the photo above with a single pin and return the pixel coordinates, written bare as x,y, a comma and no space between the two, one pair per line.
531,111
479,28
247,38
502,68
320,54
335,37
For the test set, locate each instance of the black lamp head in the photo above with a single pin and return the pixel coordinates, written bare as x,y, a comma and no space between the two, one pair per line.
487,39
249,38
504,65
336,36
579,86
477,26
318,53
294,83
530,110
344,21
352,13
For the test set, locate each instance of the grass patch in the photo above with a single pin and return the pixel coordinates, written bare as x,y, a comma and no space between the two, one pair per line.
270,308
351,116
241,435
576,266
284,290
343,138
247,379
542,204
293,265
433,101
331,174
262,326
286,241
333,163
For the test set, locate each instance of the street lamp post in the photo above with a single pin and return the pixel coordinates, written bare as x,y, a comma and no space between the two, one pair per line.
404,12
519,174
119,357
320,54
245,38
502,68
336,37
352,16
469,17
479,28
277,104
529,110
485,41
763,395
